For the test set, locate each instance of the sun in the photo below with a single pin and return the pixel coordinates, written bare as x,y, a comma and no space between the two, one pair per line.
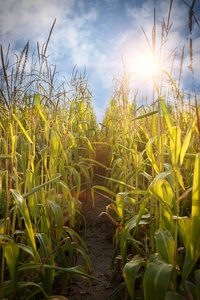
146,65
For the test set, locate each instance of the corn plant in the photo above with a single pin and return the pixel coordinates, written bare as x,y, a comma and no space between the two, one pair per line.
45,141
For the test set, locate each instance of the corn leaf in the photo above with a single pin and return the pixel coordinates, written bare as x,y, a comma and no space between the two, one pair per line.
120,205
193,243
12,257
58,217
162,191
130,273
45,251
166,116
187,140
3,156
156,280
22,128
9,289
37,188
64,186
197,281
26,248
173,296
175,144
27,220
145,115
149,151
37,99
165,246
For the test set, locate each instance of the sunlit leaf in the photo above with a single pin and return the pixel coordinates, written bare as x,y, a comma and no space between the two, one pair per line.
25,213
193,241
22,128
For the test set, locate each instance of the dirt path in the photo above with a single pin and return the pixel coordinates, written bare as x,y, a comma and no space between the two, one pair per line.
99,242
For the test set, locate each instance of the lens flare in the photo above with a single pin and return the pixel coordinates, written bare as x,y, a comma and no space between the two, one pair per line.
146,66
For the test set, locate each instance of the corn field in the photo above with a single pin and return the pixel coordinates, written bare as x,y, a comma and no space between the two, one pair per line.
148,157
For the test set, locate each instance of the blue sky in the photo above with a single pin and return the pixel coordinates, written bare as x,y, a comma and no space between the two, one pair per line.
96,33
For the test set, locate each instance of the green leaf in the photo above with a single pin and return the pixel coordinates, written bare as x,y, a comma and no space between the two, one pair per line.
58,217
26,248
4,156
173,296
165,246
166,116
175,144
124,236
149,151
77,179
120,205
9,289
197,281
130,272
22,128
12,257
37,188
25,214
45,251
37,99
193,244
183,229
88,143
104,189
156,280
187,140
145,115
86,257
72,219
119,182
55,142
162,191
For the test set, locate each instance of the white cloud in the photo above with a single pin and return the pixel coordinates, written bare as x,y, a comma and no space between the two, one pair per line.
87,33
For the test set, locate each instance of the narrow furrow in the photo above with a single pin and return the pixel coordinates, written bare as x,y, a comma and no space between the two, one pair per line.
98,239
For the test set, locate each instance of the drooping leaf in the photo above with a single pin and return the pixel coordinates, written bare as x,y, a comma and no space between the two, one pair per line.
145,115
26,248
149,151
162,191
37,188
22,128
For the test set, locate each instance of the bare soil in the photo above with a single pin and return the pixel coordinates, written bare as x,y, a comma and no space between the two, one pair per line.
99,240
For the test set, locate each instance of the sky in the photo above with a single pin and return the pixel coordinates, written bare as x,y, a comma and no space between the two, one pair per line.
96,34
